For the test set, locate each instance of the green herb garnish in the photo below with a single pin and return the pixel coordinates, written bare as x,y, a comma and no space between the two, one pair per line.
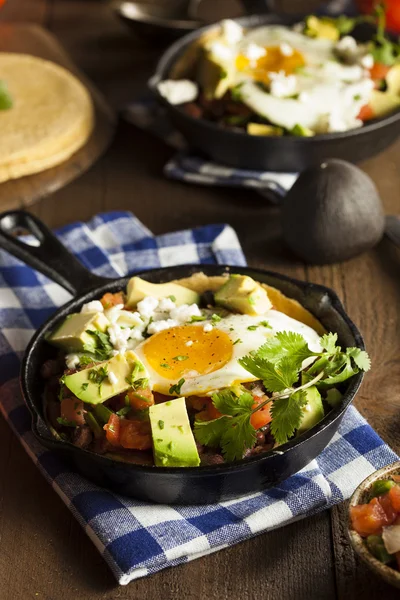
196,318
215,319
172,297
84,386
98,376
102,347
176,388
123,411
66,422
180,358
161,424
165,365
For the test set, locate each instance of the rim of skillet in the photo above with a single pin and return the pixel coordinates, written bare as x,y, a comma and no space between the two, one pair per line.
174,51
331,416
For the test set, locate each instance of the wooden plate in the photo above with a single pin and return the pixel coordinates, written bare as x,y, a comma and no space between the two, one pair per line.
32,39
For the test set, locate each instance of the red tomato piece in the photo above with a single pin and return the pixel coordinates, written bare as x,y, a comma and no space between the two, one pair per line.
394,495
141,398
390,512
113,430
392,8
72,410
262,417
379,71
135,435
109,300
368,519
366,113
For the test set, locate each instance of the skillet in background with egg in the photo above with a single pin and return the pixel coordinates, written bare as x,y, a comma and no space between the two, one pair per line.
283,100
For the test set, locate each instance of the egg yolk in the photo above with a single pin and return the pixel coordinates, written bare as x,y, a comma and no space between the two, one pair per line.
187,351
273,61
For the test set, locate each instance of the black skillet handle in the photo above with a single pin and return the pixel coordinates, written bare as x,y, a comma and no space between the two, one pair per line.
49,257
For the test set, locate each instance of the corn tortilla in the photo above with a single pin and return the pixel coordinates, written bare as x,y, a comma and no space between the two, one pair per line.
51,116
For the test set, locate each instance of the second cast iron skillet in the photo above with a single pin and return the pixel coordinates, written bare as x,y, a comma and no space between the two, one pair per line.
285,154
193,485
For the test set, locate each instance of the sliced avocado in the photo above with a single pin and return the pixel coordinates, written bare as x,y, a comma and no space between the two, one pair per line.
93,385
71,335
393,80
244,295
383,103
313,410
173,441
139,288
321,28
301,131
260,129
215,76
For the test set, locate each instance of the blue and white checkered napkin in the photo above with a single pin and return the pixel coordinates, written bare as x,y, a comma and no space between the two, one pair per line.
185,166
135,538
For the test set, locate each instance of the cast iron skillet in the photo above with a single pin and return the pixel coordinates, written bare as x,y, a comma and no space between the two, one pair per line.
286,154
168,485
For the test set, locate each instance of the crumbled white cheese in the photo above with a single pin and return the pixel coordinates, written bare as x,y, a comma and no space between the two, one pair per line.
221,51
253,52
367,61
136,335
207,328
112,378
231,31
304,97
113,313
178,92
347,44
184,313
165,305
189,343
93,306
286,49
282,85
147,306
157,326
119,337
72,361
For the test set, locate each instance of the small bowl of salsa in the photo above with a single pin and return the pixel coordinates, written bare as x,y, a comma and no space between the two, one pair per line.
374,522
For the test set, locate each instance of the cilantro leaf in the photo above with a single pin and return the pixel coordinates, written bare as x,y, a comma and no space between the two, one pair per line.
238,437
360,357
210,433
228,403
276,377
286,416
285,344
328,342
6,101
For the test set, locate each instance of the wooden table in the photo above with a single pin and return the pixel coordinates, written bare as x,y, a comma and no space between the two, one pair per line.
44,553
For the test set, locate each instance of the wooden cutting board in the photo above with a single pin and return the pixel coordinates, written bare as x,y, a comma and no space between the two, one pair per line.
32,39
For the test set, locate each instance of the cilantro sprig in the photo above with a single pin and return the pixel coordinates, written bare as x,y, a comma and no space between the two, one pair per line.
383,49
279,364
101,348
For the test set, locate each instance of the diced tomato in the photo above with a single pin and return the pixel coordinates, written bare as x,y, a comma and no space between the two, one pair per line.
206,408
135,435
113,430
396,478
72,410
141,398
390,512
109,300
262,417
366,113
379,71
368,519
394,495
197,402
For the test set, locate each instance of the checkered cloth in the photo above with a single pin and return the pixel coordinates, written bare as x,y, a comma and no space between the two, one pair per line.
185,166
135,538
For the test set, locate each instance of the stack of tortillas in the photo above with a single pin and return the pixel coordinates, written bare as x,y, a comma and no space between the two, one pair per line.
51,116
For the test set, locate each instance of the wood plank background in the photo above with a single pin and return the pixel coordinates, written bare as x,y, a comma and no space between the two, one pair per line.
45,554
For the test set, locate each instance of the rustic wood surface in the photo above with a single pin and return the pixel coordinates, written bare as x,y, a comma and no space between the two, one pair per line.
32,39
44,553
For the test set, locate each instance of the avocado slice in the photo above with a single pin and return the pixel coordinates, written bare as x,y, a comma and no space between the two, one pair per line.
261,129
383,103
313,410
71,335
93,385
215,76
139,288
244,295
321,29
173,441
300,131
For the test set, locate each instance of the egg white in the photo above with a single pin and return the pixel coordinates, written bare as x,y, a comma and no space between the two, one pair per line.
236,327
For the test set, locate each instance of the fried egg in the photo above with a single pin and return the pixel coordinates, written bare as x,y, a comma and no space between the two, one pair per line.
206,357
291,79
